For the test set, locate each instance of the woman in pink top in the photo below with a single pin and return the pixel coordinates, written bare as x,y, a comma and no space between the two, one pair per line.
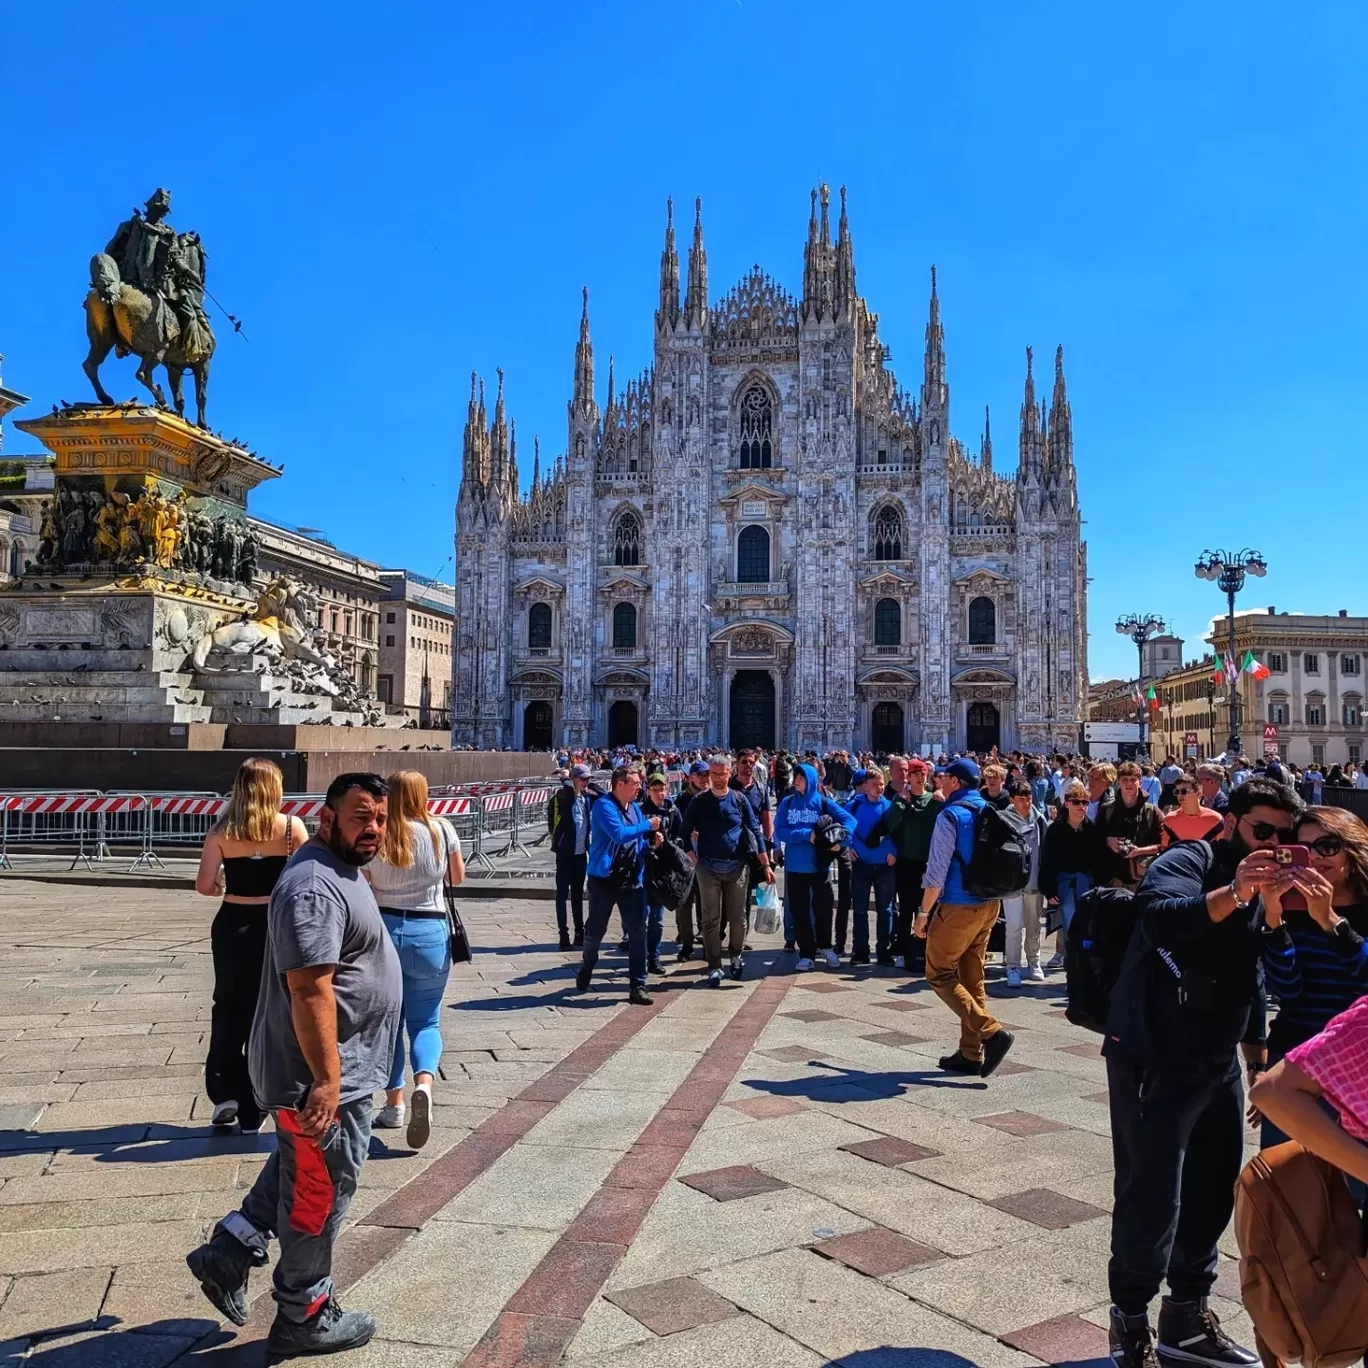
1332,1067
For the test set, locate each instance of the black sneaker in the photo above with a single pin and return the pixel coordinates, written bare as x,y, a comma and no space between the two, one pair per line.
957,1063
995,1049
1190,1333
578,942
655,966
685,951
582,976
623,944
565,943
738,968
886,961
1132,1345
859,959
639,997
221,1268
329,1331
789,947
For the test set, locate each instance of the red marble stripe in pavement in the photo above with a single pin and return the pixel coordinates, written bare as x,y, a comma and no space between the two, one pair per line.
541,1318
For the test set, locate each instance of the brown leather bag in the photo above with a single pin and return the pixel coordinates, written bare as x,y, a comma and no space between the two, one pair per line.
1303,1270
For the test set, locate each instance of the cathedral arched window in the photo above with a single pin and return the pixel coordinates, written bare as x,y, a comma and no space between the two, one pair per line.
982,622
887,623
753,556
888,534
961,511
539,626
625,627
757,429
627,540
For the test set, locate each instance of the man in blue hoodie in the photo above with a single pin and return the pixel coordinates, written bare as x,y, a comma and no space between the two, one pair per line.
805,870
957,935
875,856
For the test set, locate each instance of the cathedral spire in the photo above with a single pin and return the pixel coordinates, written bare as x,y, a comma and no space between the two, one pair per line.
513,481
498,443
845,259
935,394
1061,421
470,445
536,463
696,297
1032,426
668,313
584,361
610,408
826,222
986,450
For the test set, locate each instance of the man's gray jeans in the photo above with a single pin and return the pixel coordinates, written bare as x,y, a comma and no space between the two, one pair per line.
293,1183
719,896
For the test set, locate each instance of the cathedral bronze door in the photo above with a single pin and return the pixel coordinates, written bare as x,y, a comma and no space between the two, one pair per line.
983,728
537,727
886,729
752,710
622,724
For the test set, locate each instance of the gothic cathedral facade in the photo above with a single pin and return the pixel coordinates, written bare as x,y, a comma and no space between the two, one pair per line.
763,540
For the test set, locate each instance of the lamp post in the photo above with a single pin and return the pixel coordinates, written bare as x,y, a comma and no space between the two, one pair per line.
1140,627
1228,570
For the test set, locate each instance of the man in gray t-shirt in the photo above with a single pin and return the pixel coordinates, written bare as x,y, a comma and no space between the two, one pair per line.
322,1043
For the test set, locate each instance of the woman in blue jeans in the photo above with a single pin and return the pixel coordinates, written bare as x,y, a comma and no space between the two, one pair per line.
418,855
1068,859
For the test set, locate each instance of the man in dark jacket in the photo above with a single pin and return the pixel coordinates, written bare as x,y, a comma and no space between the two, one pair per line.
1179,1008
910,824
1128,828
567,816
686,914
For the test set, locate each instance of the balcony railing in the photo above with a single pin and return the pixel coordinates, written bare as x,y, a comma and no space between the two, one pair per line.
979,650
746,588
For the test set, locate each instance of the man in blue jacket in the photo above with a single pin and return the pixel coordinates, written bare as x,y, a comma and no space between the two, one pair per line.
957,935
618,831
805,870
875,856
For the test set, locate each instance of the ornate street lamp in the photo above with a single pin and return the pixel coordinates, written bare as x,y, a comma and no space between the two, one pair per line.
1140,627
1227,569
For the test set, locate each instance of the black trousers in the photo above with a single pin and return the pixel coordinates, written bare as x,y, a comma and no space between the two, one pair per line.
237,939
1177,1145
908,875
843,901
810,908
570,871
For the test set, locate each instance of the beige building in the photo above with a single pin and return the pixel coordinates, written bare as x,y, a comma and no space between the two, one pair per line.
348,589
21,482
416,636
1310,708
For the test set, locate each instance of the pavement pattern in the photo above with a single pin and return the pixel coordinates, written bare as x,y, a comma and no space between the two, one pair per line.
774,1172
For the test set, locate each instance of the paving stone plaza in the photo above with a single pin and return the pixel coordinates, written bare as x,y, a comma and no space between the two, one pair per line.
775,1173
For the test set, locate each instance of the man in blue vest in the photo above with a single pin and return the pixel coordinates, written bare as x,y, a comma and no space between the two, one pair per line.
956,926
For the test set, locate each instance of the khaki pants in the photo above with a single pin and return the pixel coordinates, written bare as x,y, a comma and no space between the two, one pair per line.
719,895
956,946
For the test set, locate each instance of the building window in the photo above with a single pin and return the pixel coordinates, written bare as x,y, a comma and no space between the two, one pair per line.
887,623
757,429
627,540
1355,753
1276,662
1318,756
389,619
384,688
1278,714
624,627
982,622
1353,714
539,626
1349,664
888,535
1311,663
753,556
1315,714
389,639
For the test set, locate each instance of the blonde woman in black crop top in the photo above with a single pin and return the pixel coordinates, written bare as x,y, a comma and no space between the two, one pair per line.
243,856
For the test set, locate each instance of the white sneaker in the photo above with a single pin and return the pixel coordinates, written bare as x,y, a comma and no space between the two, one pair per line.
420,1118
225,1113
833,960
1056,962
804,965
1035,973
1014,978
388,1118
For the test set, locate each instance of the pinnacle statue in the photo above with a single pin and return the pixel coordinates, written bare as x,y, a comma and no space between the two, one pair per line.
147,300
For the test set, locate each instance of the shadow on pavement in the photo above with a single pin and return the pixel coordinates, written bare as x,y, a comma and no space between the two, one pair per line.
910,1356
856,1085
111,1344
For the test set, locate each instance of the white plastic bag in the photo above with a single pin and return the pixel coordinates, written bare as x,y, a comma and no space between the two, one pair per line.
769,915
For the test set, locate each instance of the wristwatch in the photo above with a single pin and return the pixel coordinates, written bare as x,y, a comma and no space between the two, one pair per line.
1241,904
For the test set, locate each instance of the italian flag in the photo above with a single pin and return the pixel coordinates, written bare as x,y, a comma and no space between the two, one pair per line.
1250,666
1151,697
1217,673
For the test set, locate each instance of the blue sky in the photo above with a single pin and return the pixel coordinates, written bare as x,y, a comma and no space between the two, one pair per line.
397,195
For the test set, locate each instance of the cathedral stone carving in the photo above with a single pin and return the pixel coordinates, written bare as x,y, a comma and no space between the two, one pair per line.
766,415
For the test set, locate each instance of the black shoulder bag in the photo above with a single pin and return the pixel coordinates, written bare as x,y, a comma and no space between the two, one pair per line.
461,952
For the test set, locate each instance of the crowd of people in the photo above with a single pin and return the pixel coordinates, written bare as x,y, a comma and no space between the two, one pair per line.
1247,901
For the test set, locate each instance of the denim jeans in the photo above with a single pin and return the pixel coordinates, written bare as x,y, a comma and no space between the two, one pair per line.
811,912
424,950
655,929
631,906
788,914
882,882
570,870
1071,888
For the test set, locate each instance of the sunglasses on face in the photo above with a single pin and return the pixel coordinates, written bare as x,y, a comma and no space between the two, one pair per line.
1264,831
1183,792
1327,845
1077,802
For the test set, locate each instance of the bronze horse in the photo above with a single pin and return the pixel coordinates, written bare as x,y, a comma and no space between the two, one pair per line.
123,319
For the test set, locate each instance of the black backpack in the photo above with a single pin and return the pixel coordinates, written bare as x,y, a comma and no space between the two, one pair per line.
1001,861
1099,936
669,874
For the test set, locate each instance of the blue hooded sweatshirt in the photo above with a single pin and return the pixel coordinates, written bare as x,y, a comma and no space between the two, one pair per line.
798,814
867,814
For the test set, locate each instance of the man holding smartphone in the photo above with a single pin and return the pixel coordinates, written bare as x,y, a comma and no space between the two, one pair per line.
322,1044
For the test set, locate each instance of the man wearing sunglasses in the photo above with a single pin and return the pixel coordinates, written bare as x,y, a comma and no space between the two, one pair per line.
1181,1005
